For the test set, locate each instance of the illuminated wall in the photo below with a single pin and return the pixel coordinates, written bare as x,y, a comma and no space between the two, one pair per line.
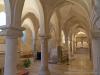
2,22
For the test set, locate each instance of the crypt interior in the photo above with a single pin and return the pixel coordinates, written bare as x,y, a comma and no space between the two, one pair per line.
49,37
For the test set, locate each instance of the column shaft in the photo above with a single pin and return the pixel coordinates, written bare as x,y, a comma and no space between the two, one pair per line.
10,56
44,56
96,55
12,34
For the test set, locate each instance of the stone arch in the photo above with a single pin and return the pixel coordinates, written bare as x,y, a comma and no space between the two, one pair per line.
54,23
53,30
63,3
52,43
16,13
30,27
77,28
87,31
40,15
83,6
8,12
28,36
33,28
73,19
33,18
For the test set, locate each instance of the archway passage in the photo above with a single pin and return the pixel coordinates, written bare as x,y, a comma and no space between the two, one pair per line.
80,53
64,32
81,40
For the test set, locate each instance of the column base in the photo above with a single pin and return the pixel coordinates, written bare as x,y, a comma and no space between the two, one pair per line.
44,72
96,73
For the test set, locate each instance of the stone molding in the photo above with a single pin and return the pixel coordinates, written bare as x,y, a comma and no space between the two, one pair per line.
11,32
45,36
96,35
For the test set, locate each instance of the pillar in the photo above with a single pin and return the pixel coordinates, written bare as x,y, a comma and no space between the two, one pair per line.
90,50
96,55
34,49
96,52
34,46
10,56
59,49
59,52
12,35
74,44
73,47
44,70
67,46
96,39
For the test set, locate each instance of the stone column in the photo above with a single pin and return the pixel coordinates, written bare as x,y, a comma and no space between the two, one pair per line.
96,39
67,55
12,35
70,51
71,48
59,52
34,49
44,56
34,46
74,48
90,50
59,49
96,53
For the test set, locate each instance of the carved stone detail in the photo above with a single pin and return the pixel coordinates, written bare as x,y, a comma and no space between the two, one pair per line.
11,32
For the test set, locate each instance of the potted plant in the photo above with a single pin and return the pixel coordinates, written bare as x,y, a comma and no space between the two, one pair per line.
26,65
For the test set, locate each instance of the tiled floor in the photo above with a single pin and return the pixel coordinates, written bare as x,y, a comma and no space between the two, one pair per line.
80,65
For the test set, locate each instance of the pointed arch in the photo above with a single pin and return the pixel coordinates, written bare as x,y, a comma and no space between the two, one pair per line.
8,12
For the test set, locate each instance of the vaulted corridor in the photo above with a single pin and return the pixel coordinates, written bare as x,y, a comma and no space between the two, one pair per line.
80,65
49,37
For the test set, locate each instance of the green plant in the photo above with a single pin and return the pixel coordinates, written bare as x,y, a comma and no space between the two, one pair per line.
27,63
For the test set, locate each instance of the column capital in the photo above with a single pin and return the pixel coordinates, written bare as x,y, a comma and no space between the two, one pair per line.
11,32
35,39
45,36
96,35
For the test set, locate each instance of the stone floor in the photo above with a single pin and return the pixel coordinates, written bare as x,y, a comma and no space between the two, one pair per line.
80,65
